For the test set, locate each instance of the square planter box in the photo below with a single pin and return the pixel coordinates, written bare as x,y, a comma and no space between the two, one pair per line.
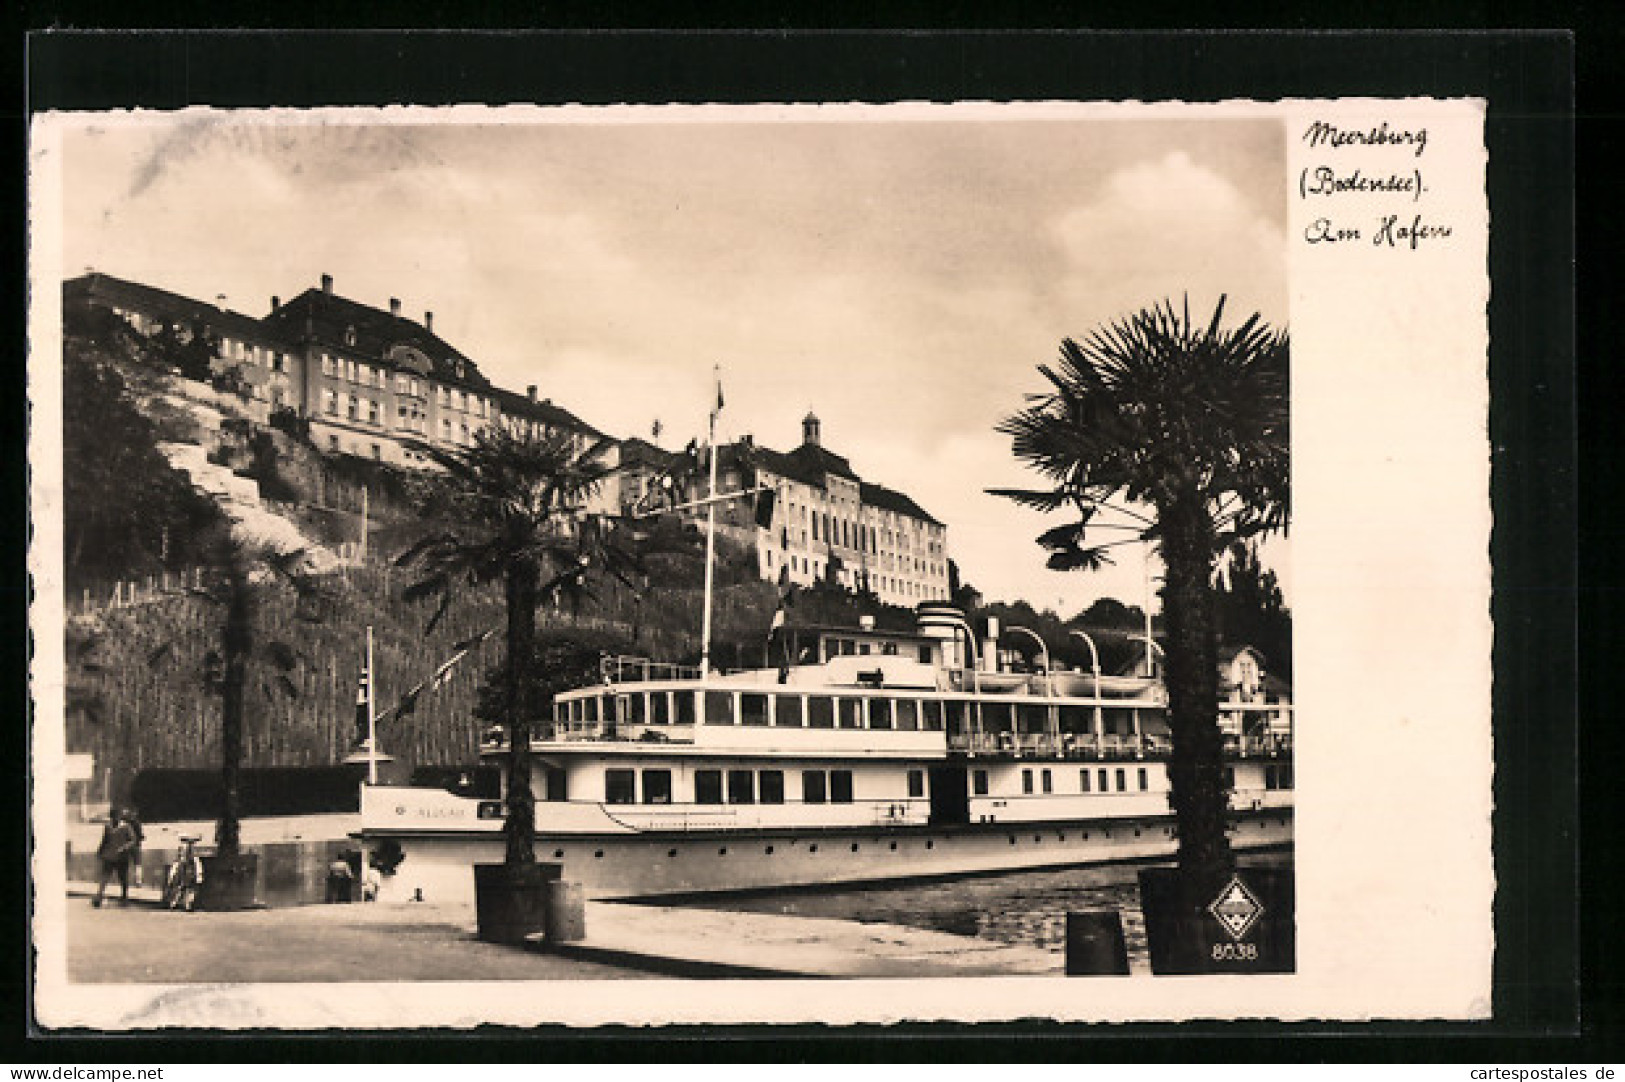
510,900
230,882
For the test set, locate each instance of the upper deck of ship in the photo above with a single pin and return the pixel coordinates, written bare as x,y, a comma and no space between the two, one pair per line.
875,693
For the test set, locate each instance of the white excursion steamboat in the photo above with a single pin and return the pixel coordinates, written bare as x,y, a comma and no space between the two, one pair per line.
881,755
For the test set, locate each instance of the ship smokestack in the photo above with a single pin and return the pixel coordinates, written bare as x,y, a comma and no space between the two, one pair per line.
990,646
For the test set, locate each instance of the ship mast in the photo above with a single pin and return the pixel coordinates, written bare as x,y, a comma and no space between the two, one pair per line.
710,531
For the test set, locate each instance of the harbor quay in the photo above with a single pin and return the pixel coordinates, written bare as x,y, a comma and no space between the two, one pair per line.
144,943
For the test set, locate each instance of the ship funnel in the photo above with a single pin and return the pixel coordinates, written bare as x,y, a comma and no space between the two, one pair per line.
990,646
946,626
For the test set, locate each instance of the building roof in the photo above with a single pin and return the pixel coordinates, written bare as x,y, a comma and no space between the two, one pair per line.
119,292
544,411
891,500
809,464
328,318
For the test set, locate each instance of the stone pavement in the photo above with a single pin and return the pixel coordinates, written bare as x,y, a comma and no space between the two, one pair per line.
716,943
421,942
142,943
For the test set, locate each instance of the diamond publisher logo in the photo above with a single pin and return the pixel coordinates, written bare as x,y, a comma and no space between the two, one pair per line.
1236,909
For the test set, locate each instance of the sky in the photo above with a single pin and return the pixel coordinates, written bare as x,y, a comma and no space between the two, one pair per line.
899,273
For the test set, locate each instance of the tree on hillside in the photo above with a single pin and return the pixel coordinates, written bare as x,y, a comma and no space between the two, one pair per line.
515,503
1188,422
1251,610
125,511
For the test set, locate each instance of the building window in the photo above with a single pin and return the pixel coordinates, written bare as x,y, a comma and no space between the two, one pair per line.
333,443
840,786
708,787
620,787
330,402
327,365
741,787
372,411
377,453
978,780
812,787
916,783
771,786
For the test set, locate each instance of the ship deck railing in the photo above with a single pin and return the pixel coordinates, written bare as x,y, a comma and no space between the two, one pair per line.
640,670
1087,747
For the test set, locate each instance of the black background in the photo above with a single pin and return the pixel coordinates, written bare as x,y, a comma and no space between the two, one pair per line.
1527,78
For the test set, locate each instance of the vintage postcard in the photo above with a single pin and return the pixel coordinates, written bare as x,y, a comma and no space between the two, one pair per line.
780,563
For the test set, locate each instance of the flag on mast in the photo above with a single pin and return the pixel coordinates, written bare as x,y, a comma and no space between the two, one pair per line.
719,391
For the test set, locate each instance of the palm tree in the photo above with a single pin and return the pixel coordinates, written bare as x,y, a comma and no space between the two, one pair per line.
515,501
1156,412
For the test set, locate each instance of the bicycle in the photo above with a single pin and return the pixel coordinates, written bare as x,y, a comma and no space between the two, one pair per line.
185,876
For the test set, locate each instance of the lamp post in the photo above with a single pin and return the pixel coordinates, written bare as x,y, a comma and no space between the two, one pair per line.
1052,723
1094,667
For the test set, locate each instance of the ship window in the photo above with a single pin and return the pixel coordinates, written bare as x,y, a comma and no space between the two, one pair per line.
998,717
789,711
657,787
925,655
1229,777
1083,781
820,712
908,716
1027,780
1074,719
1122,779
812,787
620,787
851,713
840,786
1145,783
1032,718
753,708
685,707
979,782
880,713
770,784
1048,783
741,787
636,710
933,715
590,706
708,787
719,708
610,711
1286,775
916,783
863,648
1104,786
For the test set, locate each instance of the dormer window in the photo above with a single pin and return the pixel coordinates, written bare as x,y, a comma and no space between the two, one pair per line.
349,335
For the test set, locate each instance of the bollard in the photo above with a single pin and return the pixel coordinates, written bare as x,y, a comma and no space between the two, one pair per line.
1094,944
564,920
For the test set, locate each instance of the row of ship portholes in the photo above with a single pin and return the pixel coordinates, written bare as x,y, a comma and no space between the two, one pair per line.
1038,839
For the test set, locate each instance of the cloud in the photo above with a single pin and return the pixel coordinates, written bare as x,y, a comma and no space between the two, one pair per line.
1166,228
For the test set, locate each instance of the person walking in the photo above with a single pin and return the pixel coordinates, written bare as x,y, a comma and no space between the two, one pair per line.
113,855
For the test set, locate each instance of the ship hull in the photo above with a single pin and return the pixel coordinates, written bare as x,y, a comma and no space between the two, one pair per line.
438,868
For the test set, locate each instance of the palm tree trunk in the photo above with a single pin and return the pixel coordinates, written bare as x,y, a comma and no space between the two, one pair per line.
520,827
237,639
1198,794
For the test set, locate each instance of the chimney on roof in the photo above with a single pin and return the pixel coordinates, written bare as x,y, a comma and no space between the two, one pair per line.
327,284
530,392
276,302
394,306
428,322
